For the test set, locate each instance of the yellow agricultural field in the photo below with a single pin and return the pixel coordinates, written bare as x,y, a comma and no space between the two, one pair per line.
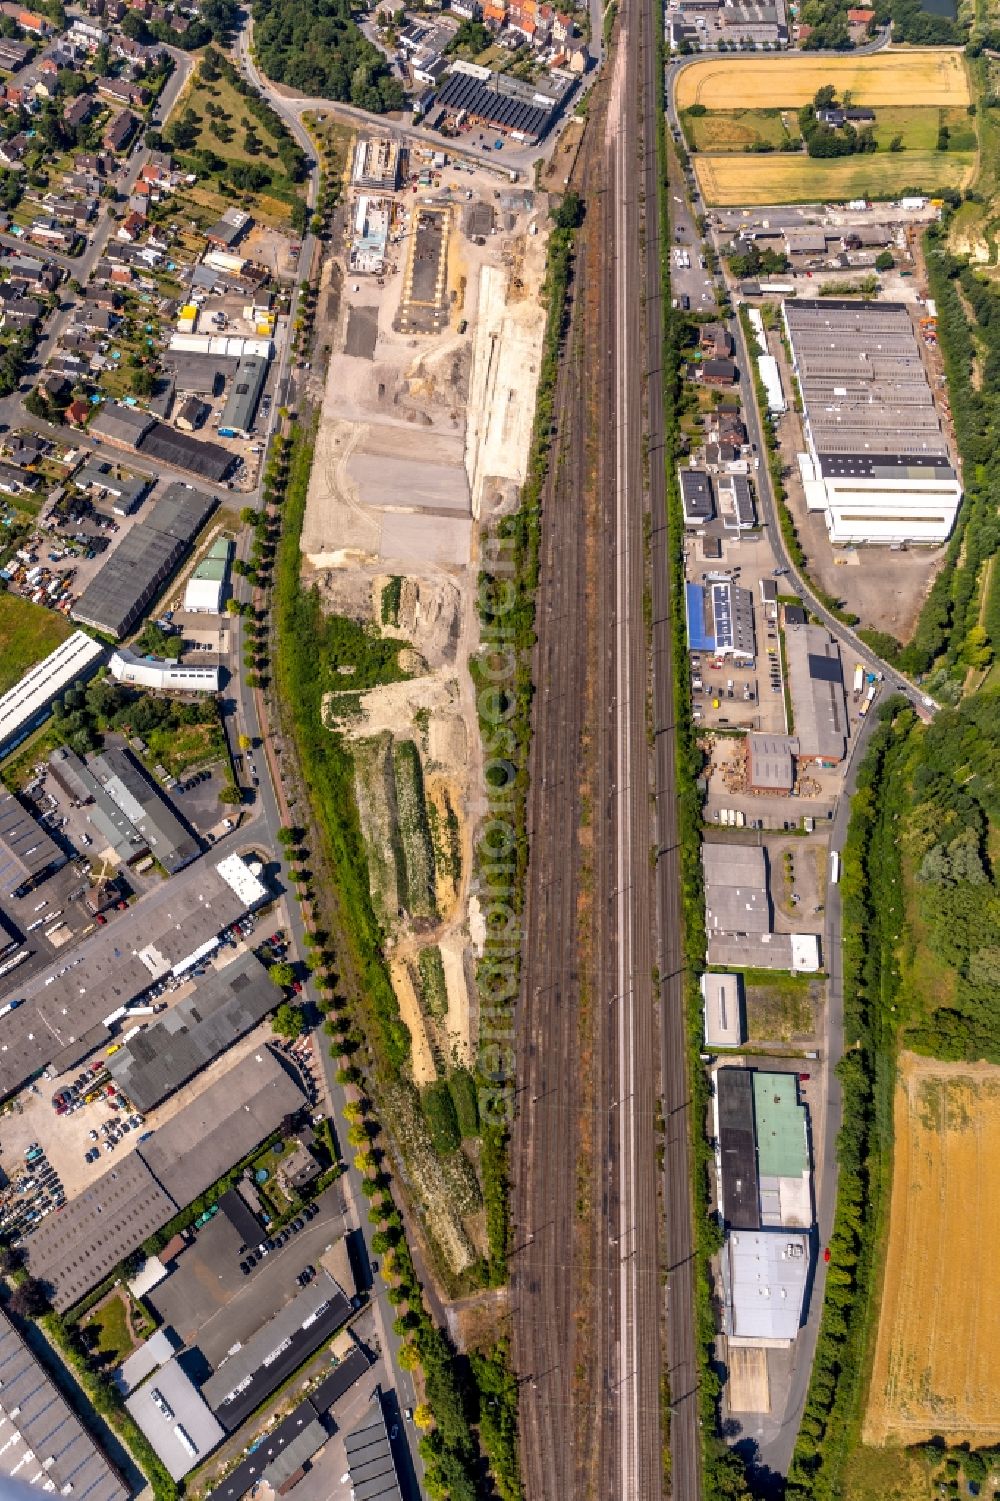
928,76
746,178
936,1369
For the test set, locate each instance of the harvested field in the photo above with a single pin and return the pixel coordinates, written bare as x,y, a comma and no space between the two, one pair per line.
935,1369
930,75
795,178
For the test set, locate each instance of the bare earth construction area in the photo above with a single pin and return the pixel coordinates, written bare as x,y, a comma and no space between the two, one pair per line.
936,1369
424,437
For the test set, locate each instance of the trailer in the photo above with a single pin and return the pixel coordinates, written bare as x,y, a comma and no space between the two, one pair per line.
859,681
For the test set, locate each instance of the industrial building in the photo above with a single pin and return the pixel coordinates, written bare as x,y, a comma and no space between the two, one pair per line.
143,563
126,809
296,1439
819,698
782,1135
23,707
163,674
43,1444
738,914
372,221
736,890
770,763
377,164
764,1274
507,105
141,803
736,504
226,1005
245,391
189,1152
141,432
28,855
739,1193
370,1460
176,1420
770,378
247,1377
206,586
696,496
77,1248
763,1151
876,462
724,1010
68,1008
720,619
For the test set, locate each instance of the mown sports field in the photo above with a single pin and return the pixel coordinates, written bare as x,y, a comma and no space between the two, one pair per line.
936,1370
925,76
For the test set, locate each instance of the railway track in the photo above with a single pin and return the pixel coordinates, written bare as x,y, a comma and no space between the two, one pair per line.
553,1273
586,1295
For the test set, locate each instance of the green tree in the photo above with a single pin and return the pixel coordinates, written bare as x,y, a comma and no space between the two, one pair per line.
288,1022
281,975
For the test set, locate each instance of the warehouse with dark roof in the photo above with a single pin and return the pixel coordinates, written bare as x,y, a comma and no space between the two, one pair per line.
507,105
248,1376
76,1248
42,1441
27,854
227,1004
146,558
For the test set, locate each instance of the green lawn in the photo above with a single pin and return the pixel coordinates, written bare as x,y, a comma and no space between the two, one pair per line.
114,1339
728,130
780,1006
185,746
28,633
733,129
221,94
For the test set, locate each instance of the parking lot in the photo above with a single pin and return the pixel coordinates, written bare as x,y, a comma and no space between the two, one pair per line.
34,1190
210,1302
67,1138
733,695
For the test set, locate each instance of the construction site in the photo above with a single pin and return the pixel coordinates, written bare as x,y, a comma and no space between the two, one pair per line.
426,422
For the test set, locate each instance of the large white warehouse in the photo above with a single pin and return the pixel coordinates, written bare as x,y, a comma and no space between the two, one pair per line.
876,461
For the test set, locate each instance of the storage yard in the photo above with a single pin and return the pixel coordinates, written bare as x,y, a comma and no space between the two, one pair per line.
935,1369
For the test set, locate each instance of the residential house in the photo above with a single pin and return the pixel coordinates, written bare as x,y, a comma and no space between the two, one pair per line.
78,111
49,232
13,54
77,412
120,132
19,313
87,34
131,227
96,319
120,91
12,152
718,372
37,25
